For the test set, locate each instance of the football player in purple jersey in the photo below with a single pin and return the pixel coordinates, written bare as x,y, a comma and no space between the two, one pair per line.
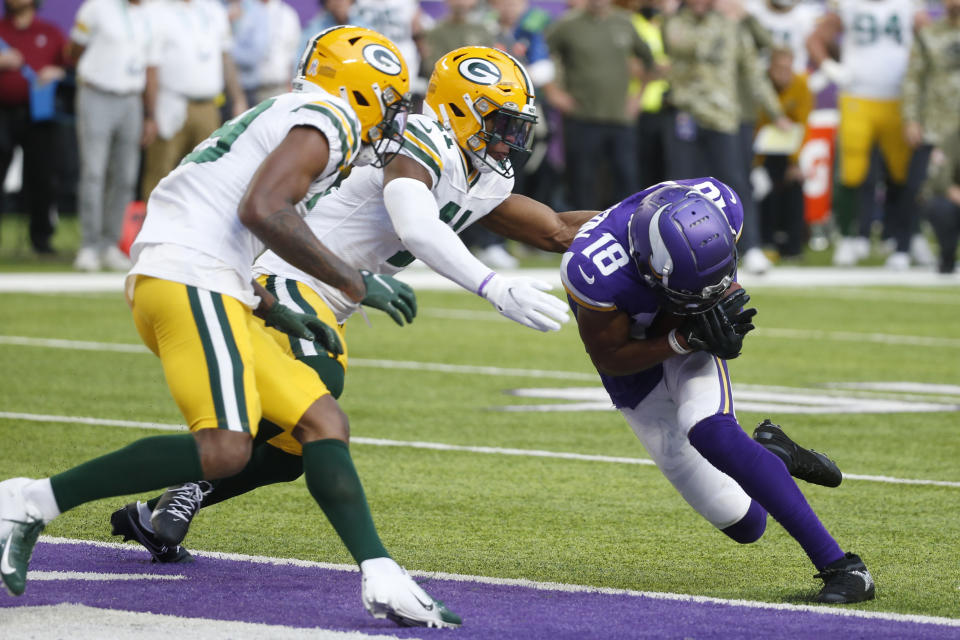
651,282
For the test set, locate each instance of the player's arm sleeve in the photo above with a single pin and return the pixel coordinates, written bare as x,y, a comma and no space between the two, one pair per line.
579,279
337,123
84,24
913,81
415,217
424,149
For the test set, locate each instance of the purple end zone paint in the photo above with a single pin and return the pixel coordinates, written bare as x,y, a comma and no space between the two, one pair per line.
314,597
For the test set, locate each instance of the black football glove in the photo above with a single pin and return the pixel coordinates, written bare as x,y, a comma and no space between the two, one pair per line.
305,326
390,295
740,318
720,330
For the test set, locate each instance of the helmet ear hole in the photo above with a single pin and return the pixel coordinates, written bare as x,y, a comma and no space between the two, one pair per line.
360,99
455,109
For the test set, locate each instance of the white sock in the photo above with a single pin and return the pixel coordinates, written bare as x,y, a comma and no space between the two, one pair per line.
40,494
145,513
380,566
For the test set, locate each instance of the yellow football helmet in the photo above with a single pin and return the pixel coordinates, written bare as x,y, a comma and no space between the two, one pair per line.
366,70
483,97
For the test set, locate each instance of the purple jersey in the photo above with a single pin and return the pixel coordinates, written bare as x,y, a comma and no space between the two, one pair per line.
599,273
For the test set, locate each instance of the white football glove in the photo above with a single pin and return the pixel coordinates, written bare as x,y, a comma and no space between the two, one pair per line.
836,72
523,300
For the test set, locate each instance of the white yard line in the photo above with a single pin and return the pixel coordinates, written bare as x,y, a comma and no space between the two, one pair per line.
422,278
439,446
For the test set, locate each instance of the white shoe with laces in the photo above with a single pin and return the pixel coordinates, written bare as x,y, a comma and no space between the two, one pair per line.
389,592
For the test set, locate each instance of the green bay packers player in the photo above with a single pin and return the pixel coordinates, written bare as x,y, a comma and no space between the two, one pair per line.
196,308
453,170
874,52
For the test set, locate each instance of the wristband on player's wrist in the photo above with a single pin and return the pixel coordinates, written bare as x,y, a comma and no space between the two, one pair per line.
675,344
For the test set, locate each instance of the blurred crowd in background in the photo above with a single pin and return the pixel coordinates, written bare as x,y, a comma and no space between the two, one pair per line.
837,124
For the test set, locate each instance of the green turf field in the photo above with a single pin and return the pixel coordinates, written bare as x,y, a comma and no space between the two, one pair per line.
546,518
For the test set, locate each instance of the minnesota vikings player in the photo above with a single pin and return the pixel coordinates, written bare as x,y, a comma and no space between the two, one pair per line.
195,307
651,285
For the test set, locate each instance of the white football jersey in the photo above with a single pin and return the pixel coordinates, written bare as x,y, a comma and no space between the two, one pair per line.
196,205
352,219
789,29
877,36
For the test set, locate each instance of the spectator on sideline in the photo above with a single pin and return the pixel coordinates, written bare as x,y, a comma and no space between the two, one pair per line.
460,27
942,205
403,22
931,95
330,14
877,36
707,52
781,211
754,261
194,66
31,63
116,104
273,68
250,41
653,121
520,32
789,23
597,52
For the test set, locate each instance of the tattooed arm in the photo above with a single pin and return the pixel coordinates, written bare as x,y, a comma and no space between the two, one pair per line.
268,210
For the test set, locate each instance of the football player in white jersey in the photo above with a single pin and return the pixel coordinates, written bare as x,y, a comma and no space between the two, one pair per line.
790,23
874,52
452,171
195,307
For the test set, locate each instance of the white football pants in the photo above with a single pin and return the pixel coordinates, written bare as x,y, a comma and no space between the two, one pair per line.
694,387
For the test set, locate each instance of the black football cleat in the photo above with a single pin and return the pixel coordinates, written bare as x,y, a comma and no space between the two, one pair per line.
845,581
176,508
805,464
126,523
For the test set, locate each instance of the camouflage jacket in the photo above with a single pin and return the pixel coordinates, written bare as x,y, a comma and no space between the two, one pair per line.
931,88
944,169
707,57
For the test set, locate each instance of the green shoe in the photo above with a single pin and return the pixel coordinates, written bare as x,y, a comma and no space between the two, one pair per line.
16,554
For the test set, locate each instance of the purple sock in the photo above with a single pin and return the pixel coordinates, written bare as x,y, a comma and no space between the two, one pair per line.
764,477
751,526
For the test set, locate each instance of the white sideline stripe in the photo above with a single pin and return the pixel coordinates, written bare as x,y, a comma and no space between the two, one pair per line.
97,577
781,276
559,586
83,622
438,446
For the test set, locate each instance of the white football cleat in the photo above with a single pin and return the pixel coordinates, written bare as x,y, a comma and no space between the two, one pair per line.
12,505
389,592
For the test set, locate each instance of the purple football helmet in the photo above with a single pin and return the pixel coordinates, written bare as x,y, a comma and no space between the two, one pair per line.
684,247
